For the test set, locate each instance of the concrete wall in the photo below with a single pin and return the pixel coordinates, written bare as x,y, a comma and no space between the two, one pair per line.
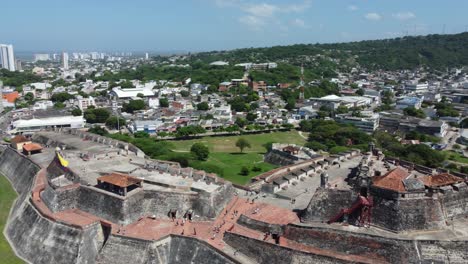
18,169
408,214
60,199
191,250
455,203
402,214
386,250
260,226
326,203
380,248
40,240
169,250
142,203
263,252
124,250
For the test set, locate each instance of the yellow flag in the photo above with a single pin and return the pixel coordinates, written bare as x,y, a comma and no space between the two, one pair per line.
63,161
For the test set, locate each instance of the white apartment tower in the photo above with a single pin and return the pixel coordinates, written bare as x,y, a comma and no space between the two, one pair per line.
146,56
7,57
65,60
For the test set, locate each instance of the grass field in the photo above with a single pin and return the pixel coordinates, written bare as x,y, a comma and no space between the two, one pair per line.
225,155
231,164
457,157
7,196
227,144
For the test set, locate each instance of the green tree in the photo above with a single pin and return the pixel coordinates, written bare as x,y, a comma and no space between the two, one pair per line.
61,97
115,122
77,112
29,97
242,143
360,92
141,134
184,93
98,130
59,105
133,105
241,122
244,171
200,151
203,106
163,102
251,116
140,95
290,104
411,111
96,115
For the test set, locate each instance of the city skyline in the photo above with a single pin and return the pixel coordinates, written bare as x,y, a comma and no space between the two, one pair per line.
202,25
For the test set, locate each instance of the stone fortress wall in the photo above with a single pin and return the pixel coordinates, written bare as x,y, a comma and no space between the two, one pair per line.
39,238
34,236
138,203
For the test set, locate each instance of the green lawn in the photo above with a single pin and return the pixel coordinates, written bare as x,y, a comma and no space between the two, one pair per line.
227,144
453,156
231,164
225,155
7,196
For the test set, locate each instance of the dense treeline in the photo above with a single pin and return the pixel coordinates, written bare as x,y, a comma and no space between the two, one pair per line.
17,79
333,137
436,51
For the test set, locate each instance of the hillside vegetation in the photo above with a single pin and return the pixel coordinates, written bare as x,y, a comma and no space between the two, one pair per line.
436,51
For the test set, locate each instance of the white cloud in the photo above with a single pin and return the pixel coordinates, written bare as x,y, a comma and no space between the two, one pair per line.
297,8
258,15
402,16
253,23
298,23
261,10
373,16
352,8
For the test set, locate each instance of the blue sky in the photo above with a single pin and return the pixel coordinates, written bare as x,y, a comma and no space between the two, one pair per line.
197,25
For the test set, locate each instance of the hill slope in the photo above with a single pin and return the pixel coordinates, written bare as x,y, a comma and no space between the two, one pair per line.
435,51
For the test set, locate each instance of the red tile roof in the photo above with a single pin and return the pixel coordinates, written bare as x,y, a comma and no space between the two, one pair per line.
120,180
32,147
393,180
442,179
11,97
19,139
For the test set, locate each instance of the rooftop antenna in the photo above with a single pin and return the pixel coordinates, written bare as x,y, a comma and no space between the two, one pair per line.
301,84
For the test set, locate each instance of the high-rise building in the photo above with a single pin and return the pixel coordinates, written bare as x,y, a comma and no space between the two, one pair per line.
1,96
19,66
146,56
65,60
7,57
41,57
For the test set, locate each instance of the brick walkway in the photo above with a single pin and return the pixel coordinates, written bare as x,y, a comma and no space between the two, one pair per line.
212,232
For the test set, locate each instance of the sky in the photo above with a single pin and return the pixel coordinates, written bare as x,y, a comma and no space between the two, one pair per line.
204,25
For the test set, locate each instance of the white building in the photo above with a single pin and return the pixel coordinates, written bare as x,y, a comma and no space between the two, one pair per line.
131,92
7,57
65,60
348,101
41,57
219,63
43,105
416,87
83,103
39,90
405,102
367,124
37,124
